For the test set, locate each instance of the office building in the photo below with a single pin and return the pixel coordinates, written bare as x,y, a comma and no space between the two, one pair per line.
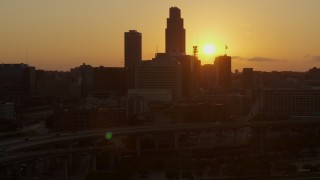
223,71
17,83
108,81
282,102
191,68
84,75
175,33
6,111
160,73
247,78
139,101
132,48
207,77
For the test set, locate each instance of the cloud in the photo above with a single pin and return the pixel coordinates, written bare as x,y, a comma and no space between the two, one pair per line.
236,57
261,59
255,59
312,57
316,58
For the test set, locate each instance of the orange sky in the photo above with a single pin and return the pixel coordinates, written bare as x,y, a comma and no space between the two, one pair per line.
265,34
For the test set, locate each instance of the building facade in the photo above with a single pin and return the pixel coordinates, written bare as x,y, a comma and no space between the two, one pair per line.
160,73
287,102
223,71
132,48
175,33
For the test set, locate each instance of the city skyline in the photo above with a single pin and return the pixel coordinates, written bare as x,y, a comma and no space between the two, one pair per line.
59,35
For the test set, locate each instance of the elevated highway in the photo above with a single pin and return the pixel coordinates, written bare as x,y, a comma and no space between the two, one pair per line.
17,145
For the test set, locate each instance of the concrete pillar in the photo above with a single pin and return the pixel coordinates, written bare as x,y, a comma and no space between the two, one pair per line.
47,162
290,132
5,172
29,171
138,146
156,143
235,133
199,139
70,163
93,162
66,169
176,141
112,160
262,135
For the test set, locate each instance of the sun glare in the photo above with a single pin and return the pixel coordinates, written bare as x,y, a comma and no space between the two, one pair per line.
209,49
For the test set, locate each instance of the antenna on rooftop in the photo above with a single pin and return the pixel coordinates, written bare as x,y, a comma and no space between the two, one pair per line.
195,51
26,56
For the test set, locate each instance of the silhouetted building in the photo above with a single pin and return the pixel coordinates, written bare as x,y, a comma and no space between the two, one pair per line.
232,101
84,75
108,81
313,73
200,112
160,73
17,83
139,102
71,119
247,78
208,77
61,85
223,71
191,69
286,102
6,111
175,33
132,48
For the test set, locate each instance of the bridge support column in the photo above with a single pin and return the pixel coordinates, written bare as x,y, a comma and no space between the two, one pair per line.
235,134
29,171
70,162
66,169
156,144
5,173
112,160
290,132
47,162
138,146
93,162
176,141
199,139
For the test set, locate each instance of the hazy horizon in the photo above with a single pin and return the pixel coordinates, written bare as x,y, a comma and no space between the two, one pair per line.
58,35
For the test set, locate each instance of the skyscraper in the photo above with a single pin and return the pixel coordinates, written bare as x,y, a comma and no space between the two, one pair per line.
175,33
132,48
223,71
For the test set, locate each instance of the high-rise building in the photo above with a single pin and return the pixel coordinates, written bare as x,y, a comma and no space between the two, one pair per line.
175,33
208,77
247,78
160,73
191,68
223,71
132,48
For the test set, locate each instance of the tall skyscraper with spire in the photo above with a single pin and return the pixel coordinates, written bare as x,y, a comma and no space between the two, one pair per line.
175,33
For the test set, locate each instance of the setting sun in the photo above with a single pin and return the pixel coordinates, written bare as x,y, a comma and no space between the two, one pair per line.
209,49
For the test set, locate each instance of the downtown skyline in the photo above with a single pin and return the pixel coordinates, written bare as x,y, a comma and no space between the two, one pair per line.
59,35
